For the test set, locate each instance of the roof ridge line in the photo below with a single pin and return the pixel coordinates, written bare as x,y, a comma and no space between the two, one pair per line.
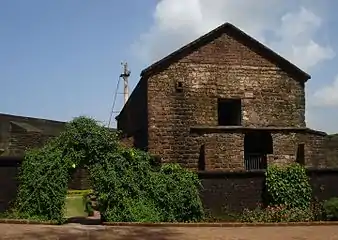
213,34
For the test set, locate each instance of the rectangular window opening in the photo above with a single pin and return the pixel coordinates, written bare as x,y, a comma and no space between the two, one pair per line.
229,112
201,159
301,154
179,87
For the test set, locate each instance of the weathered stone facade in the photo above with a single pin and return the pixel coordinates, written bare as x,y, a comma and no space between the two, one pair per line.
182,110
223,148
18,133
135,123
331,150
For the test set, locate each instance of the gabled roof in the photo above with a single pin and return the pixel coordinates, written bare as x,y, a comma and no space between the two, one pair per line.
228,28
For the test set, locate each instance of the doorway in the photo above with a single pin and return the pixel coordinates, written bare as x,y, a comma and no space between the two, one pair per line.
257,145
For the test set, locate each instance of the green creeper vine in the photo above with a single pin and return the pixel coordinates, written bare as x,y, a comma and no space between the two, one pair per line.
127,185
289,186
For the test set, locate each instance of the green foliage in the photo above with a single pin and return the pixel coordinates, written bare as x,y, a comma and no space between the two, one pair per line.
280,213
126,183
331,208
79,192
129,189
120,179
318,211
87,202
288,186
177,194
224,216
42,195
45,172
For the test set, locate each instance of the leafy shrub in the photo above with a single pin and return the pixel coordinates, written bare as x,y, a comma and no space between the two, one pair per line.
225,216
331,208
129,189
278,214
88,203
318,210
121,181
288,186
42,195
177,194
125,181
45,173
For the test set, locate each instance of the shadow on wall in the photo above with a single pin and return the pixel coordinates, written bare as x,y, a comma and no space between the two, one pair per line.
8,181
332,149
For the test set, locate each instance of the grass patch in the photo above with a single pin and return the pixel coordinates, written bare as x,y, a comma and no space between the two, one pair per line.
75,207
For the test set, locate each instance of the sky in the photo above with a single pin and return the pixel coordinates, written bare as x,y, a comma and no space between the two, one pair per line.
62,59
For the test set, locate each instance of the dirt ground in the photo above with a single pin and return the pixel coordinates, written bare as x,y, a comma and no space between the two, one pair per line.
77,232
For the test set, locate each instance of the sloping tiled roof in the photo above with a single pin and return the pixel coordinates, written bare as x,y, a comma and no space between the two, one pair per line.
228,28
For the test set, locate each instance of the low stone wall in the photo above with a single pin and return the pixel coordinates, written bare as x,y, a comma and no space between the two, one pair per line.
231,192
221,192
324,182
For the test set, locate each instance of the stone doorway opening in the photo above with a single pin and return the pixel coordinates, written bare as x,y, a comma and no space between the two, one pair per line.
257,145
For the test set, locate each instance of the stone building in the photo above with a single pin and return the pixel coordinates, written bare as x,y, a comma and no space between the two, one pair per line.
331,150
224,101
18,133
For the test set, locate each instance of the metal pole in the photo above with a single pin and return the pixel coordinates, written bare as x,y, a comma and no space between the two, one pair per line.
125,75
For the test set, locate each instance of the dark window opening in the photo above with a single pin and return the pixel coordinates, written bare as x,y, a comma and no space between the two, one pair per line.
140,140
257,145
229,112
179,86
201,159
300,154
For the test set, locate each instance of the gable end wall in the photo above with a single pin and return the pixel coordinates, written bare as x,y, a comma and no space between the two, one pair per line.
224,68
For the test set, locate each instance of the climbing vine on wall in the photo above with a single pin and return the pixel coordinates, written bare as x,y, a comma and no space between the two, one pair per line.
127,185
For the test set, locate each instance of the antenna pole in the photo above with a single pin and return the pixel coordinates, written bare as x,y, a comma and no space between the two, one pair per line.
125,75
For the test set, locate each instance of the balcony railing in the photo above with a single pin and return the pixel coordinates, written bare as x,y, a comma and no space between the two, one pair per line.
255,161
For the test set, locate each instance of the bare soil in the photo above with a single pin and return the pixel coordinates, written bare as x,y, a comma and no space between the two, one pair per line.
77,232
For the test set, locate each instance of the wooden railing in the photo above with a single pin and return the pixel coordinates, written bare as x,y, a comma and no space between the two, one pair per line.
255,161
